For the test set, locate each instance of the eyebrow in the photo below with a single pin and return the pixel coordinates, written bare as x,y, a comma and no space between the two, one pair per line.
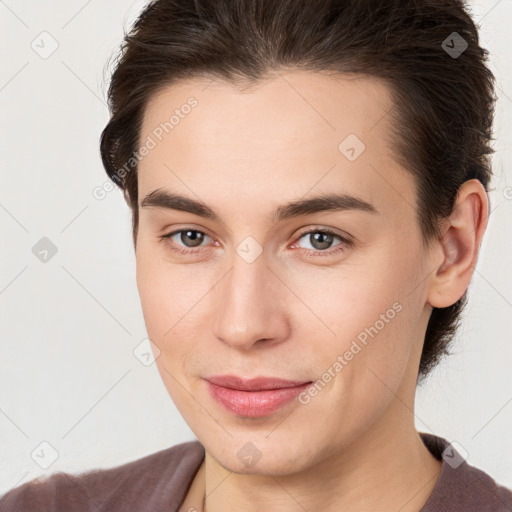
325,203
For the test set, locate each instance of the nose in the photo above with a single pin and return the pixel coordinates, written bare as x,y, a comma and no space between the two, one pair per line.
251,307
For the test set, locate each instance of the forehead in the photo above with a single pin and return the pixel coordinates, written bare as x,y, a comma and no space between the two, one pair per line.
298,131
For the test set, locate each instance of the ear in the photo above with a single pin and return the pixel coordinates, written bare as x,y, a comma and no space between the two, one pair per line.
456,253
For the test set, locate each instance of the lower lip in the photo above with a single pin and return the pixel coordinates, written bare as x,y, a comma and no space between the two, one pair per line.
254,404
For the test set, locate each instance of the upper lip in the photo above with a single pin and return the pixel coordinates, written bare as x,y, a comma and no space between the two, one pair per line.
253,384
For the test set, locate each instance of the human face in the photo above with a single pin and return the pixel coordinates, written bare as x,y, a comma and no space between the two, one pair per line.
265,295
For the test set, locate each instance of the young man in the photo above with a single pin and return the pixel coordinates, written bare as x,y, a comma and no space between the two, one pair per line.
308,188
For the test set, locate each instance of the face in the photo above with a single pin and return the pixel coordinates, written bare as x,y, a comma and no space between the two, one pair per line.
246,286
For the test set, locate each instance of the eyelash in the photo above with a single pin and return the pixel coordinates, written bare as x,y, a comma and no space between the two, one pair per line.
344,242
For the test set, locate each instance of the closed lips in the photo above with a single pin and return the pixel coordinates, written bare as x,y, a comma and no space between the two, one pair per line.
254,384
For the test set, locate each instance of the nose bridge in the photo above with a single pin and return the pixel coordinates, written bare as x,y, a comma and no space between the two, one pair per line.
248,309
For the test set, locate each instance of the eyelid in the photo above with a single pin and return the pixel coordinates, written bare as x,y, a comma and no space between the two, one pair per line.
323,229
188,227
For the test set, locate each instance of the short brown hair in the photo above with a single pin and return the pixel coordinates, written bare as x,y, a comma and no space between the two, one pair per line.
443,91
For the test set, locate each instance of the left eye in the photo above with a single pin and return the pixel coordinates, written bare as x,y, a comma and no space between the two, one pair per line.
322,239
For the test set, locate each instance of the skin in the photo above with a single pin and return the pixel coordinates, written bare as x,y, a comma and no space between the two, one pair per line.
292,311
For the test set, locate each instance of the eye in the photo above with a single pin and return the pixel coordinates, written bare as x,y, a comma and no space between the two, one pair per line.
322,239
191,238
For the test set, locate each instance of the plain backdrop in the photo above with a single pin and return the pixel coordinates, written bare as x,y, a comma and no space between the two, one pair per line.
73,394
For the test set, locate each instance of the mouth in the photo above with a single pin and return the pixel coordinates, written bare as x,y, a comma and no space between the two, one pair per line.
256,397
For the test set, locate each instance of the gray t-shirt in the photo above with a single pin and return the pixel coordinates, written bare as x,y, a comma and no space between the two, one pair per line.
159,483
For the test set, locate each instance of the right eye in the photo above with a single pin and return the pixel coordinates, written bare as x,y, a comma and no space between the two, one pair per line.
186,236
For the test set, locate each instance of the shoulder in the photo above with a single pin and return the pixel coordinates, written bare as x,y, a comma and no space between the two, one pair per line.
473,490
461,486
155,482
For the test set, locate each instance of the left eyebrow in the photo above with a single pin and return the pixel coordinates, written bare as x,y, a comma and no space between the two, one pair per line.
326,203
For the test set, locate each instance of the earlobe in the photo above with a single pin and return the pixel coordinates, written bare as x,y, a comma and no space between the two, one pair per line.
460,244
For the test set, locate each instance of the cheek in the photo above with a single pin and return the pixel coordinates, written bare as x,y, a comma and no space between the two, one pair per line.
369,359
151,296
373,312
164,314
160,286
170,296
159,297
359,302
373,331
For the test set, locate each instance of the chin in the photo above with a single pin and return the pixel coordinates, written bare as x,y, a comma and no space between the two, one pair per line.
258,455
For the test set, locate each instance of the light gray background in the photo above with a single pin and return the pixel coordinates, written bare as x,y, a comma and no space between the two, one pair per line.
68,374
